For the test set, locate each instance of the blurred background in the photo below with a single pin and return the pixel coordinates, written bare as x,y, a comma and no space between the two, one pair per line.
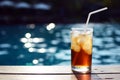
37,32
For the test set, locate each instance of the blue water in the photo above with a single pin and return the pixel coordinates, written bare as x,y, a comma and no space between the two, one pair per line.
49,44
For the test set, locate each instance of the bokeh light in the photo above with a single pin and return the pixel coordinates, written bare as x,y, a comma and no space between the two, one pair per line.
50,26
35,61
27,35
31,49
42,50
37,40
28,45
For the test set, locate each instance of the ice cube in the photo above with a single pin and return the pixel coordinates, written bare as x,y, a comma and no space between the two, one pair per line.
75,47
87,45
74,44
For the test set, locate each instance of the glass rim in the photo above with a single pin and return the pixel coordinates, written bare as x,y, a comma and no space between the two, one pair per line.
82,28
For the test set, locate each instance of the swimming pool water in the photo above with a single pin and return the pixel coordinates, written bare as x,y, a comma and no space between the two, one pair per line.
49,44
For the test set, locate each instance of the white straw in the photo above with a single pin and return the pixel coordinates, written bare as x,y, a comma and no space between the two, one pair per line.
93,12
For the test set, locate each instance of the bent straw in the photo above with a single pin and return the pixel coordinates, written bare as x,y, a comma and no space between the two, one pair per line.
93,12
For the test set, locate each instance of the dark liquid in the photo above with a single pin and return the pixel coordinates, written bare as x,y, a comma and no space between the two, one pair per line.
80,58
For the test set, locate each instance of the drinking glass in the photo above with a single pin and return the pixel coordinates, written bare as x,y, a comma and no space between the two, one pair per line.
81,49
